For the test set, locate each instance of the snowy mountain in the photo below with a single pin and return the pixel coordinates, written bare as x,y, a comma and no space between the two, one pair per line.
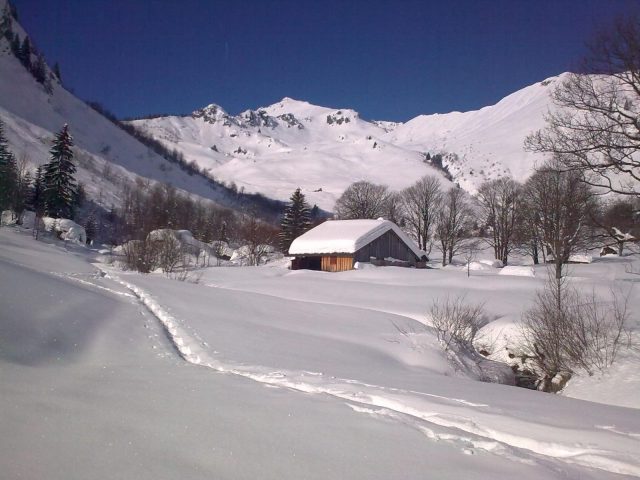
274,149
292,144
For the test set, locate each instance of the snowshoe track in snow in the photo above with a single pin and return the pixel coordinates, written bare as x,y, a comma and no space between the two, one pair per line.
470,425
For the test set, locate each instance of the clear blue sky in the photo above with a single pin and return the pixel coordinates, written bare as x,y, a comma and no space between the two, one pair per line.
390,60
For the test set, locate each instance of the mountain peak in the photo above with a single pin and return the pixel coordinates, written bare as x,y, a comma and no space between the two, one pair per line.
213,113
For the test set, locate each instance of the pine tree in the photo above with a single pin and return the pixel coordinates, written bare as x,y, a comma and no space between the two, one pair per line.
295,221
36,198
39,69
15,44
25,53
23,192
56,71
60,191
91,227
8,173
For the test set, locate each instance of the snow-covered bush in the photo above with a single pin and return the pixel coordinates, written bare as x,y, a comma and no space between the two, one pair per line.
8,218
65,229
456,321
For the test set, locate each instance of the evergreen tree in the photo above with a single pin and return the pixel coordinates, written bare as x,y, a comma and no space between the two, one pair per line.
39,69
56,71
36,199
91,227
23,192
8,173
25,53
60,191
15,44
295,221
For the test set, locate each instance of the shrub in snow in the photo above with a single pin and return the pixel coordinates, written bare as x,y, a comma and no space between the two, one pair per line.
140,255
65,229
566,331
246,255
456,321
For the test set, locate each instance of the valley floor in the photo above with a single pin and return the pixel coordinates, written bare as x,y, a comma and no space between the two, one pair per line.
269,373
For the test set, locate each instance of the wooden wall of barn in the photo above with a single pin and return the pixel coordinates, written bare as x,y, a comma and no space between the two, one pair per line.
337,263
387,245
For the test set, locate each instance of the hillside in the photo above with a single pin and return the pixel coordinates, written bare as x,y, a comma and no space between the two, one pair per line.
107,156
292,143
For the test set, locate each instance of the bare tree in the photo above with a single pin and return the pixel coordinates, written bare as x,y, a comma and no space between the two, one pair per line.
595,128
566,331
469,253
561,202
258,237
452,222
394,209
616,222
362,200
456,321
169,251
422,202
500,209
527,233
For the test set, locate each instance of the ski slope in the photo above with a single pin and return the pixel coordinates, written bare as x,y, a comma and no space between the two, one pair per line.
269,373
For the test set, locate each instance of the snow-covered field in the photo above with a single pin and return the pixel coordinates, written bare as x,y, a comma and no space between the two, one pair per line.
269,373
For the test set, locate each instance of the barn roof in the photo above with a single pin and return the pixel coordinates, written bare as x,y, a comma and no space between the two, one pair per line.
346,236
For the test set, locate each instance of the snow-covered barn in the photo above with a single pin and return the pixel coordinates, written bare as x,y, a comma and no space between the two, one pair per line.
336,245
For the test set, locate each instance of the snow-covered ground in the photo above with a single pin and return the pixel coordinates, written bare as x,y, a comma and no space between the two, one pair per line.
268,373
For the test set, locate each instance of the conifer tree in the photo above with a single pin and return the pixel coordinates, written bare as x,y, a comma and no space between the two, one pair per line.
15,44
56,71
39,69
91,227
295,221
60,190
23,192
8,172
36,199
25,53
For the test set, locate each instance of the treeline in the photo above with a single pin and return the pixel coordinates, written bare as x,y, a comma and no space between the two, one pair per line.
146,207
25,51
550,217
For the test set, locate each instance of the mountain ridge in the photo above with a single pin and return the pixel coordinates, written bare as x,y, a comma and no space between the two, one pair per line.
251,149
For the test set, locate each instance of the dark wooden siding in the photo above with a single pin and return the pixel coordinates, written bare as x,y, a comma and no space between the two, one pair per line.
386,245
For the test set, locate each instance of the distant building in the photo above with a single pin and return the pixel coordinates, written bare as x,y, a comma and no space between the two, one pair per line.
336,245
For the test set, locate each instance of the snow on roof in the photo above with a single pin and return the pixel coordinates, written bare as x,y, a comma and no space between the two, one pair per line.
346,236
